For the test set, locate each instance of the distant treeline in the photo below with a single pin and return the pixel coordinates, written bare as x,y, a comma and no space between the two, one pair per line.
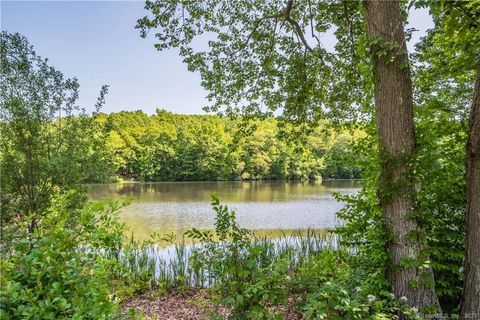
172,147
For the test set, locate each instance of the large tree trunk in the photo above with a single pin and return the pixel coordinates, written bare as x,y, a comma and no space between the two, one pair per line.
471,288
395,127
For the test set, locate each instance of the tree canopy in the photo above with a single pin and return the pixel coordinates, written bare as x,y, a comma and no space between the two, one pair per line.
266,56
170,147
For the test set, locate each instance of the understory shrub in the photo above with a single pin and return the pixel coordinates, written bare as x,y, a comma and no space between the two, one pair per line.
62,271
333,285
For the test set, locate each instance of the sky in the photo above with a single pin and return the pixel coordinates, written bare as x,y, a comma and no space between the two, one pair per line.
96,42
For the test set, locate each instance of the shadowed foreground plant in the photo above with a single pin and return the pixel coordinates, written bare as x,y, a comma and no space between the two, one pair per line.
64,272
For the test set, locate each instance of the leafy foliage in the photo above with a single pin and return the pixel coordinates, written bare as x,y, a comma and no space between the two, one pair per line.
445,73
173,147
56,250
253,280
246,281
64,273
261,61
337,285
265,57
47,142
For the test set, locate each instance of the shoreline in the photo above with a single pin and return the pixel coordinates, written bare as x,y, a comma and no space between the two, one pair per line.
221,181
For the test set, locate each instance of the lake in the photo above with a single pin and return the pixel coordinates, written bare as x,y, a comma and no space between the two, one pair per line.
264,206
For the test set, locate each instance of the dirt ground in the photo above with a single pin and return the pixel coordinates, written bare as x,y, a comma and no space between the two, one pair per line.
191,305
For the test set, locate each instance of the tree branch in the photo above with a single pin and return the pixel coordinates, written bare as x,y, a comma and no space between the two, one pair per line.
257,24
311,24
286,15
468,14
296,27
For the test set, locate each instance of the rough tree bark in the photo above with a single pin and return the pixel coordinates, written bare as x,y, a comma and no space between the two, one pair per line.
395,127
470,308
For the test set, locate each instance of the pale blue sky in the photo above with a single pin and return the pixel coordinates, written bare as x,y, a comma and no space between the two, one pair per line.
96,42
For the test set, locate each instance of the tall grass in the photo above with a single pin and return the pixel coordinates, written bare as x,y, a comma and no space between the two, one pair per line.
170,266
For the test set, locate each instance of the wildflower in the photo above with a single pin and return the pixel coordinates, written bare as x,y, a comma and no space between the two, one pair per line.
371,298
403,299
392,295
358,289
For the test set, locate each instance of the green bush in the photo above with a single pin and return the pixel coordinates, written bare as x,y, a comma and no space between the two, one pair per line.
332,285
62,271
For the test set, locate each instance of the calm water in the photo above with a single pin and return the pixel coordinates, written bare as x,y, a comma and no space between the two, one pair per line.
266,206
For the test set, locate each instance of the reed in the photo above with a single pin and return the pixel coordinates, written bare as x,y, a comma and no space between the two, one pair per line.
169,267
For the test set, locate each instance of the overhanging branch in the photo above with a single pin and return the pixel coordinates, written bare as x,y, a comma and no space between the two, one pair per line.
286,16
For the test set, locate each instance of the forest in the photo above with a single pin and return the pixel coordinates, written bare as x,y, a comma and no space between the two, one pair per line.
281,107
169,147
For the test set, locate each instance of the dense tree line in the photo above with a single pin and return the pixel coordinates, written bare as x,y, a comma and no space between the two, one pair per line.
170,147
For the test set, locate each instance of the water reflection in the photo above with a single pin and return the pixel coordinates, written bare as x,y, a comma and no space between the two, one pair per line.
261,205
